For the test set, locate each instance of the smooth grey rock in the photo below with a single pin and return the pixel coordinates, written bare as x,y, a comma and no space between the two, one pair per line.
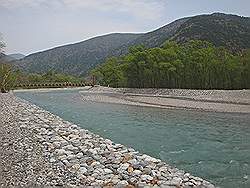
70,157
123,168
57,144
133,180
107,171
52,160
70,147
60,151
79,155
137,172
176,181
146,177
122,183
83,169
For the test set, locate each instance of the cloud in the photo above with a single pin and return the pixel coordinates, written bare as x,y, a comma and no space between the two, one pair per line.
146,9
43,24
141,8
13,4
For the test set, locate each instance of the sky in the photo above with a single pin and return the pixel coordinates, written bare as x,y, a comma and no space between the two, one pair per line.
29,26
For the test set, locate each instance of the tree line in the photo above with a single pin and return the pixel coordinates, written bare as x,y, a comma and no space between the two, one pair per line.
7,76
11,78
49,77
193,65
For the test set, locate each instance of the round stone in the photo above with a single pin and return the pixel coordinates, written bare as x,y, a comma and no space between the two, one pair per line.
79,155
83,170
60,151
176,181
137,172
122,183
57,144
130,169
123,168
107,171
146,177
52,160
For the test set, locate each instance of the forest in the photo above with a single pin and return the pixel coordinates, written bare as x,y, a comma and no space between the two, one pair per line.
48,77
11,79
192,65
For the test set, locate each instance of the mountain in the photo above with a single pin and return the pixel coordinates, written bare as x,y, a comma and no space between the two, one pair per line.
2,55
17,56
11,58
5,58
154,38
230,31
227,30
77,58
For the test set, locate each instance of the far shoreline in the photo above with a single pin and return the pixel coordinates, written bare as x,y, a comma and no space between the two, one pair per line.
226,101
50,89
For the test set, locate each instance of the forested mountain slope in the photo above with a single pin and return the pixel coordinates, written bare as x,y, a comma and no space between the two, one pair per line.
230,31
77,58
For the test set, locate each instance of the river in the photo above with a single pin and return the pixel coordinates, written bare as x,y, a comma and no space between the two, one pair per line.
214,146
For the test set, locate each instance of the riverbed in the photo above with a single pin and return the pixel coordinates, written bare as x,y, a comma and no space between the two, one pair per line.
211,145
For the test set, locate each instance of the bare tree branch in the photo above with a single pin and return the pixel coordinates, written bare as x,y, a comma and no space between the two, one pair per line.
2,44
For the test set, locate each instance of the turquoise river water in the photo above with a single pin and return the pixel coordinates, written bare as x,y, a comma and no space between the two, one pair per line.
214,146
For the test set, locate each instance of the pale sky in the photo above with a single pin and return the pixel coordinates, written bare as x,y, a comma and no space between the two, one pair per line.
29,26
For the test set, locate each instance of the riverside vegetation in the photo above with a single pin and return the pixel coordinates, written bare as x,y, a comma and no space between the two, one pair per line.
194,65
11,76
7,78
7,75
11,79
206,52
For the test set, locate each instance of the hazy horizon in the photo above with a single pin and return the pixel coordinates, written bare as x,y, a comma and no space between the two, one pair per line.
32,26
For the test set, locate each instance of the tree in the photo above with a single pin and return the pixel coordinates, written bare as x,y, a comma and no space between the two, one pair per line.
110,73
193,65
7,75
7,78
2,45
245,74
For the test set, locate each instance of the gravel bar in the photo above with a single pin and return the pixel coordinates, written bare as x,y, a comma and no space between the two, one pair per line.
38,148
230,101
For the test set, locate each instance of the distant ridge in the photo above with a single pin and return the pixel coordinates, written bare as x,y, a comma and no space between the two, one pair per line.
75,59
11,58
16,56
230,31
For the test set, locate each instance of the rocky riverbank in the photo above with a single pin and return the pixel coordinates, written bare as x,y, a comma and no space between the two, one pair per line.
38,148
237,101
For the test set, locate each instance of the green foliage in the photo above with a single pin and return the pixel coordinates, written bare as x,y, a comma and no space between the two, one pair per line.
195,64
135,49
7,75
49,77
110,73
7,78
